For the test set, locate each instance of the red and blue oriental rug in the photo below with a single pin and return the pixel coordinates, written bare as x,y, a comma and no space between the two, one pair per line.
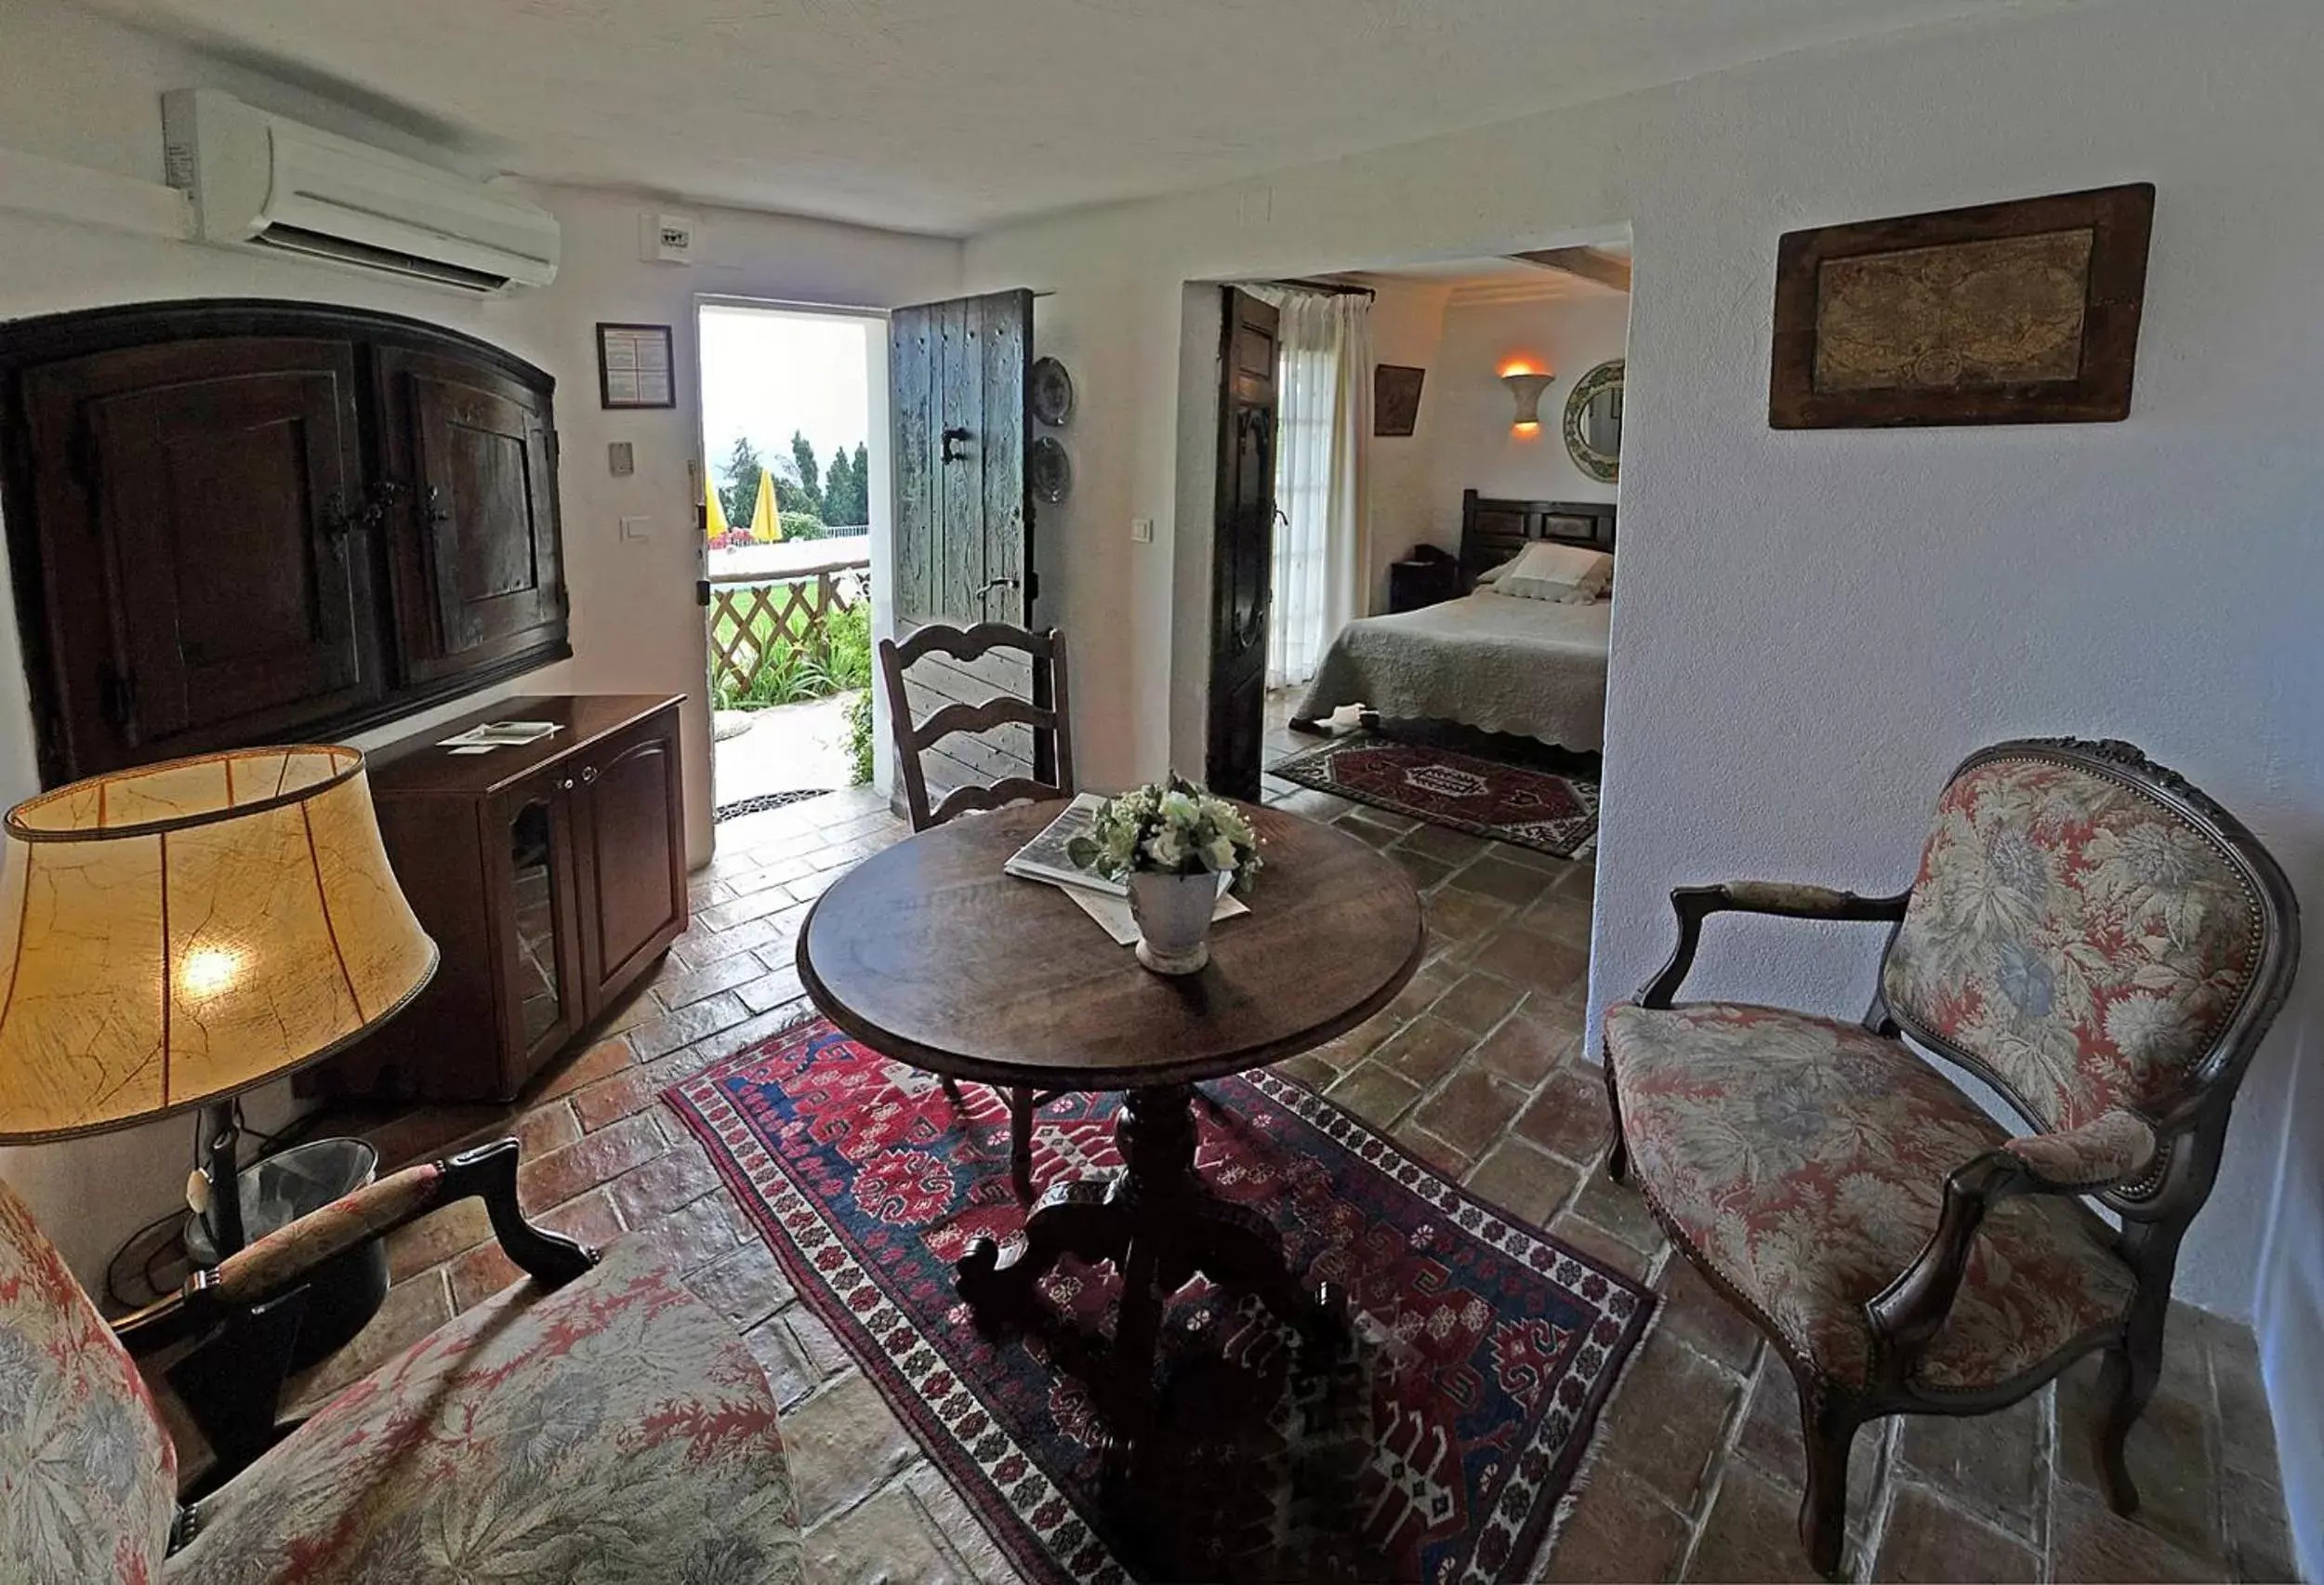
1437,1448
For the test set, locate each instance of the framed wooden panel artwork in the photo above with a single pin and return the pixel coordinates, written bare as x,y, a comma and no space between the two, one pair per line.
2023,312
1395,397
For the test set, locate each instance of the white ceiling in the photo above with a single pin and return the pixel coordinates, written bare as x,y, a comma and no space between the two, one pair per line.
952,115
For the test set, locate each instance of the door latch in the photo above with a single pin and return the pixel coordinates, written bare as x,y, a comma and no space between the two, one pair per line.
957,437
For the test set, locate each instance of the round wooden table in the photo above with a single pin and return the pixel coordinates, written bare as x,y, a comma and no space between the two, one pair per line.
929,954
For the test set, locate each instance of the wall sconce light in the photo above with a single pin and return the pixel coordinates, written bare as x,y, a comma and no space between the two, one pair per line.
1525,385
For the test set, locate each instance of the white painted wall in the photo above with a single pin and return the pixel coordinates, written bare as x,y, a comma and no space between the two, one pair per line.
1815,627
77,89
1400,471
1476,446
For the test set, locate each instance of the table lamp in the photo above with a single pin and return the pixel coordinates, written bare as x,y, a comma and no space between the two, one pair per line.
176,935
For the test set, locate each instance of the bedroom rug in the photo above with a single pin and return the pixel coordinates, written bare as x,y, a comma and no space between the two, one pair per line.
1437,1448
1542,810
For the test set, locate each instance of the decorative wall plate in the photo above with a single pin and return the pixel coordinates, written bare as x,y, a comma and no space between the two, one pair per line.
1048,470
1052,392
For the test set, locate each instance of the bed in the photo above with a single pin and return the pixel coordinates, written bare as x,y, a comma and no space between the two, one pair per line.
1485,660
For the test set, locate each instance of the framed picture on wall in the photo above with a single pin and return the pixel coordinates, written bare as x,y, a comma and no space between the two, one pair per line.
2023,312
636,367
1395,397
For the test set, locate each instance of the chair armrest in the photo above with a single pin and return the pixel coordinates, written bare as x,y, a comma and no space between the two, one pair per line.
2117,1148
1693,905
284,1260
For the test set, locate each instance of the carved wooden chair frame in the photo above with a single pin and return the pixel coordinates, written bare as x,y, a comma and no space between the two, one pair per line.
1052,719
2156,1202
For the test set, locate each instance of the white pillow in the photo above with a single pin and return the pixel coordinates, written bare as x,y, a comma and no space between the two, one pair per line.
1495,575
1566,574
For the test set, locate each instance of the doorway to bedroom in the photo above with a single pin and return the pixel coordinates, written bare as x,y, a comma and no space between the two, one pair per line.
1416,481
1389,440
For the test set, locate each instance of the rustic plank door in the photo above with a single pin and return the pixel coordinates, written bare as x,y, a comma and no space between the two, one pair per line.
1242,553
957,373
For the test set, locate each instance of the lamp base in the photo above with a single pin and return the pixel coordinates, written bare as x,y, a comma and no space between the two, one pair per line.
220,1147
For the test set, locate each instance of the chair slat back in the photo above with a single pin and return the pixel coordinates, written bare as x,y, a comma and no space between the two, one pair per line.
2089,931
1048,713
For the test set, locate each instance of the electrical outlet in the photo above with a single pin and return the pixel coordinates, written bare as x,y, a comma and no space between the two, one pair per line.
637,528
1142,530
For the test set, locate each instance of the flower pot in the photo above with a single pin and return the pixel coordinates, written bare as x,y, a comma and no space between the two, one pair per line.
1173,915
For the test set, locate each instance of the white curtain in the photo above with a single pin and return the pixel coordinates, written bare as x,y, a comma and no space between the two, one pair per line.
1323,420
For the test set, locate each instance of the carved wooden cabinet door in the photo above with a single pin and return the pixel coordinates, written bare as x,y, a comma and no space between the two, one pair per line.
630,807
199,543
471,509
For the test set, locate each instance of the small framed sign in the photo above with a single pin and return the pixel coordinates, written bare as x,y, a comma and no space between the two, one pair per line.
635,366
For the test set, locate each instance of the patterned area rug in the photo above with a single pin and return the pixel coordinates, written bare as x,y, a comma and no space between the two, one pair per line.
1485,798
1435,1448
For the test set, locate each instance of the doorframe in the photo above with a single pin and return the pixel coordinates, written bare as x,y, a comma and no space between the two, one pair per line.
879,453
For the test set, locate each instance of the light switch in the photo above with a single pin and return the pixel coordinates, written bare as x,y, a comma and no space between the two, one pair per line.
1142,530
637,528
621,458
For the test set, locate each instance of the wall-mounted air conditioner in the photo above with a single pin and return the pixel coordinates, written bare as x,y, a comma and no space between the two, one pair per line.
262,181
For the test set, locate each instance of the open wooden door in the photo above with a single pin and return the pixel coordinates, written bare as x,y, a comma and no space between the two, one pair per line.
957,373
1242,554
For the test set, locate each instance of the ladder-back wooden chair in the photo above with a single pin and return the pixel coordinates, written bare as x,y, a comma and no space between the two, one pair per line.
2088,934
1052,729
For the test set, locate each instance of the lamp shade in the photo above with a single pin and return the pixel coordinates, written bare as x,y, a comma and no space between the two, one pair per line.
174,934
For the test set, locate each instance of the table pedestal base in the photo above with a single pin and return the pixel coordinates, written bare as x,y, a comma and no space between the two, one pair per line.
1159,1225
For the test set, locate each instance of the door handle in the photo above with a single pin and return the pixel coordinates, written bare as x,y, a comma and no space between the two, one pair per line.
992,584
953,437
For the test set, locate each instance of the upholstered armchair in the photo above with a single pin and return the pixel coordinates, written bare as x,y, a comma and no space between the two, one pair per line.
612,1431
2088,934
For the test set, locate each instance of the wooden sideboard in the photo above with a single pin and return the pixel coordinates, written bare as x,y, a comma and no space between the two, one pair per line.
552,876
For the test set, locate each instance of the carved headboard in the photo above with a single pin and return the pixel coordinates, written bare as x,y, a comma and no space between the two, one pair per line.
1492,529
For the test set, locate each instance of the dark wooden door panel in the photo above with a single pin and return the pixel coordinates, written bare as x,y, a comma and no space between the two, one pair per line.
1242,550
630,803
207,579
473,542
958,372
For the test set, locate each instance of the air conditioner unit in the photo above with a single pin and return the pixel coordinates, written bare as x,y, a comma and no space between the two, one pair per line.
263,182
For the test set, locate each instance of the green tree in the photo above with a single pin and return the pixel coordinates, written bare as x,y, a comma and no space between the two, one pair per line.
846,489
810,473
740,490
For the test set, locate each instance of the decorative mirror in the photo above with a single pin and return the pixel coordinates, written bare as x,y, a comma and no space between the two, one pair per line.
1593,422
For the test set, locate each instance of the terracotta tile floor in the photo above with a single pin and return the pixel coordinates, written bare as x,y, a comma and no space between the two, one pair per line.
1477,1069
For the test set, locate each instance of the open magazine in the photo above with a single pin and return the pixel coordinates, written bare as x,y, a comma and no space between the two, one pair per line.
1107,902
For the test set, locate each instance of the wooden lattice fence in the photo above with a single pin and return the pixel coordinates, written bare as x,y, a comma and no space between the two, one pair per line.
752,614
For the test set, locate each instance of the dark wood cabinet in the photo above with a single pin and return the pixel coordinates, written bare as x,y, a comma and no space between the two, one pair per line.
230,523
552,876
1417,582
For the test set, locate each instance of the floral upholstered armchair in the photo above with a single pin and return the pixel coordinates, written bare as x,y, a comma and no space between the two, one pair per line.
2089,934
614,1431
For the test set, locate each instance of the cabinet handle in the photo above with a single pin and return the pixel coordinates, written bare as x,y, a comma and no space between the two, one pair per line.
588,774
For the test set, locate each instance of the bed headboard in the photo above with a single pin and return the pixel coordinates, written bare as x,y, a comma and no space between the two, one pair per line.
1492,529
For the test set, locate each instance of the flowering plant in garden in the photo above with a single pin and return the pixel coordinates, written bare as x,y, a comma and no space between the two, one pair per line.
1171,827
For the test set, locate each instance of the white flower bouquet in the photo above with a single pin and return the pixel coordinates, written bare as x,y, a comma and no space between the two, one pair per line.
1171,827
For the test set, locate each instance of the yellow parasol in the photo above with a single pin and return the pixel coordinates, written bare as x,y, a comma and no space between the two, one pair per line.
766,527
714,517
